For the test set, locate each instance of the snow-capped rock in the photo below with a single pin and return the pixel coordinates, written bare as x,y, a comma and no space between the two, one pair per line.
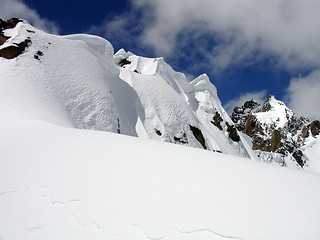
277,134
78,81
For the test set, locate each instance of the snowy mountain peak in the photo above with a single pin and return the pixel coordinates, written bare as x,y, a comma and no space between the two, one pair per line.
274,111
67,170
78,81
276,133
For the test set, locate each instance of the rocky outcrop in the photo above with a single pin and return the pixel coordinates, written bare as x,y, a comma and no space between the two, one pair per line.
15,49
273,127
217,120
11,23
240,114
198,135
315,128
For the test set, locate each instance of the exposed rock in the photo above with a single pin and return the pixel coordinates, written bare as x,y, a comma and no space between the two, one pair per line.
17,48
233,133
274,131
276,142
158,132
11,23
38,55
14,50
217,119
240,114
118,130
267,106
305,132
258,143
315,128
124,62
181,139
198,135
253,127
3,39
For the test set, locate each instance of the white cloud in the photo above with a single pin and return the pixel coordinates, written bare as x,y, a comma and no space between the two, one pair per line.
259,97
18,9
303,95
289,30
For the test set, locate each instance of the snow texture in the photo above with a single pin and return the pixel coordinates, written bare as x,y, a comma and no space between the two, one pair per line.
66,173
76,81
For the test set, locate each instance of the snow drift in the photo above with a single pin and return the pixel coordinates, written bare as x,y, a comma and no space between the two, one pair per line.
67,173
75,81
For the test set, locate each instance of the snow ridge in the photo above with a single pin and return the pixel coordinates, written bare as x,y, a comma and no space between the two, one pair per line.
78,81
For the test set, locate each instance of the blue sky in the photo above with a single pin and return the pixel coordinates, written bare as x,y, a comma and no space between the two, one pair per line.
249,48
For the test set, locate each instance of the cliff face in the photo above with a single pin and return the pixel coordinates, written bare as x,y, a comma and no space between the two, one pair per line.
274,128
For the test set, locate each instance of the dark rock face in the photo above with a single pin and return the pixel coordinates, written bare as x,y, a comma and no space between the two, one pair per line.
11,23
181,138
158,132
253,127
198,135
233,134
287,139
124,62
15,49
276,140
3,39
217,119
240,114
315,128
266,105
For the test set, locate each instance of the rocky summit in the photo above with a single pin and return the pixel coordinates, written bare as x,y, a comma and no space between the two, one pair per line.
277,134
78,81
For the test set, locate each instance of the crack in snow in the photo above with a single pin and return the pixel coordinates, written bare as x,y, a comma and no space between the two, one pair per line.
64,202
209,231
37,228
216,235
144,233
82,224
8,192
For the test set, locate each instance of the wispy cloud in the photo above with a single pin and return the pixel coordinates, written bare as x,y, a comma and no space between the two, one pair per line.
223,34
17,8
303,95
287,29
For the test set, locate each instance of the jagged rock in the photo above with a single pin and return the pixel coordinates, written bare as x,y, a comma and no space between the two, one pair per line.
217,119
266,105
199,136
253,127
124,62
305,132
315,128
275,128
275,141
3,39
11,23
258,143
158,132
14,50
233,134
17,48
240,114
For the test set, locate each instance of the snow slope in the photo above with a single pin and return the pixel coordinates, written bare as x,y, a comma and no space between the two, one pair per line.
65,173
64,183
76,81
